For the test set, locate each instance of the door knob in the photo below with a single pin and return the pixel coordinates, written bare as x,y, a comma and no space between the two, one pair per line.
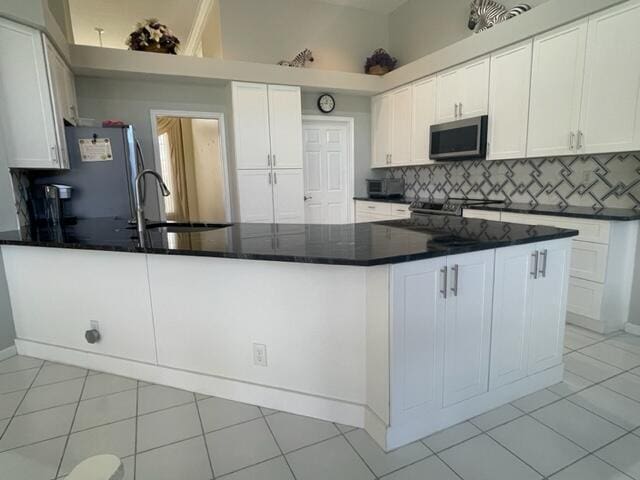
92,336
307,198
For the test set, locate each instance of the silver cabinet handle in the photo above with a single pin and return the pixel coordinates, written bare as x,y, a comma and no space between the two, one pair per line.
534,265
390,158
443,290
460,109
273,156
371,207
543,263
268,159
275,177
454,286
572,137
269,178
307,198
455,109
580,137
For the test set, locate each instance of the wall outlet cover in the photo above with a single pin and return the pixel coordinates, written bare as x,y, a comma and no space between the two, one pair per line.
260,354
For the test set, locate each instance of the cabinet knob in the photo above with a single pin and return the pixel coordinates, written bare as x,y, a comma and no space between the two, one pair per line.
92,336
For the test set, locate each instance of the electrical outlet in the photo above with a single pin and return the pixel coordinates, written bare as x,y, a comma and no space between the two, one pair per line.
260,354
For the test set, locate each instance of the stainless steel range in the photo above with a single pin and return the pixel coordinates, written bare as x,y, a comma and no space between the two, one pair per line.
450,206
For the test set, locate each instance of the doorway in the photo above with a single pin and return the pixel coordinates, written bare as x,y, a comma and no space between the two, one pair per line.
190,154
328,169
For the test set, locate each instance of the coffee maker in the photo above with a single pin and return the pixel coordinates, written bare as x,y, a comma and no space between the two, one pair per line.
52,208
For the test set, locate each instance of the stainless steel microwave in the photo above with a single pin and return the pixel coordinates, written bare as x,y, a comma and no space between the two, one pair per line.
460,140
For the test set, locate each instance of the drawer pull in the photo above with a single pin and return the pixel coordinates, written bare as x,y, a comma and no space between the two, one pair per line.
543,263
534,265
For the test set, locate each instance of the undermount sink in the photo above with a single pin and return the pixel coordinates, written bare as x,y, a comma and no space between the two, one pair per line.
179,227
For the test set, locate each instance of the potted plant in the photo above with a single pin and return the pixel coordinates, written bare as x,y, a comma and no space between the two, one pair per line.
152,36
380,62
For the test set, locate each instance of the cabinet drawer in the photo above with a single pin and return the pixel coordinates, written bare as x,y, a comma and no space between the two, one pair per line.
482,214
362,217
378,208
589,261
590,230
585,298
400,210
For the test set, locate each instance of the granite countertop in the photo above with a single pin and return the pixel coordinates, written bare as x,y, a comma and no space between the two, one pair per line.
403,200
615,214
361,244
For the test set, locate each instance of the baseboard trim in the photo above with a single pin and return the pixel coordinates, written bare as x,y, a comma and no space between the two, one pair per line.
333,410
632,328
597,326
8,352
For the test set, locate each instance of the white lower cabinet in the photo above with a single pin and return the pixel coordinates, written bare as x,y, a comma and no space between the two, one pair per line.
75,288
369,211
288,192
255,198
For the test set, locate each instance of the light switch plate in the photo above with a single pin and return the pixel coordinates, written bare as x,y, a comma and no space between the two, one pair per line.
260,354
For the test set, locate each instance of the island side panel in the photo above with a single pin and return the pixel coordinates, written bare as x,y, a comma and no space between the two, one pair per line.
210,312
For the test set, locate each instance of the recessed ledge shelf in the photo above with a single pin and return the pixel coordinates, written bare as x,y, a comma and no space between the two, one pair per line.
115,63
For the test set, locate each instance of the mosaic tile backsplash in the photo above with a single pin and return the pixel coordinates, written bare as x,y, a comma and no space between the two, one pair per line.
596,181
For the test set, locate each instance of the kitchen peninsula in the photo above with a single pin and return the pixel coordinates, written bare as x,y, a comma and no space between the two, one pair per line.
402,327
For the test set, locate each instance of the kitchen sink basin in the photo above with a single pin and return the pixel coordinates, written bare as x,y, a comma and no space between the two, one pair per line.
178,227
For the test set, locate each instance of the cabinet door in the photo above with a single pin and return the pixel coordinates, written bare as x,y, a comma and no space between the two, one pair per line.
57,70
251,125
401,126
288,196
473,89
556,85
610,114
25,100
509,102
468,326
423,116
549,305
255,196
448,96
285,123
381,130
512,302
417,337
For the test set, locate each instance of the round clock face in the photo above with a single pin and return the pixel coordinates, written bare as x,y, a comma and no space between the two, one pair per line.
326,103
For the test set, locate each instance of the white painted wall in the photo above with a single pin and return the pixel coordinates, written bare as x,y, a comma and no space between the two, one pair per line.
420,27
8,221
268,31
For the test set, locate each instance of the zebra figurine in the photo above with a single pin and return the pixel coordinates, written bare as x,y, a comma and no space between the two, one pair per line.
300,60
487,13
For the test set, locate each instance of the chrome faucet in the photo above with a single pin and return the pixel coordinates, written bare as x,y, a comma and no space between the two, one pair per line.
141,221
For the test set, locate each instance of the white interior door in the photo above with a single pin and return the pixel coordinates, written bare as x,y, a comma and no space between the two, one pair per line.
288,195
326,172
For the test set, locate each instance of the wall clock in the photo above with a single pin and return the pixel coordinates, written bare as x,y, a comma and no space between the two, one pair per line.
326,103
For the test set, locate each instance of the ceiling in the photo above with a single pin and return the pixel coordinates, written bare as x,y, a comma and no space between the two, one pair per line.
380,6
119,17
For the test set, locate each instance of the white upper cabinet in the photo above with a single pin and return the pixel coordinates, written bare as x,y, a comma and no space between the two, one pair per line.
556,84
463,92
33,128
401,126
610,115
423,116
381,130
285,126
251,125
255,196
288,195
509,102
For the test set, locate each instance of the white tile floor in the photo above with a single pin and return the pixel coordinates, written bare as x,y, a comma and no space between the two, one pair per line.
585,428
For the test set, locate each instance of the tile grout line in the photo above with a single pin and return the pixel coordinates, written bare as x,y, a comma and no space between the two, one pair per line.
75,412
358,453
286,460
4,431
204,436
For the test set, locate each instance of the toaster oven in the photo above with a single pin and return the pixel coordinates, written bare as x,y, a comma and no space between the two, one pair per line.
385,188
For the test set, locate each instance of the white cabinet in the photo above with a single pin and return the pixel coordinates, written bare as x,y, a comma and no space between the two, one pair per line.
391,128
463,92
529,306
380,130
110,289
423,116
367,211
556,84
36,96
610,113
267,129
288,189
255,197
441,324
509,102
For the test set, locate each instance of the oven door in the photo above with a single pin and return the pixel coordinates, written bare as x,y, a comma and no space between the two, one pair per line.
460,140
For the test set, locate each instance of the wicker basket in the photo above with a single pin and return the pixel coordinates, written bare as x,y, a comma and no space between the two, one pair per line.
378,70
155,48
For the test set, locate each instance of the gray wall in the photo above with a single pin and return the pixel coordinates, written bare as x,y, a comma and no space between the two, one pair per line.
359,108
7,332
132,100
420,27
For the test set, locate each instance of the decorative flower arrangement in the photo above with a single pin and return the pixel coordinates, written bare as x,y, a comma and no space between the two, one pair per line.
152,36
380,62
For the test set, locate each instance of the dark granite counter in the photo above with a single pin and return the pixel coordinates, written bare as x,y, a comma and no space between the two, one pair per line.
615,214
403,200
362,244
